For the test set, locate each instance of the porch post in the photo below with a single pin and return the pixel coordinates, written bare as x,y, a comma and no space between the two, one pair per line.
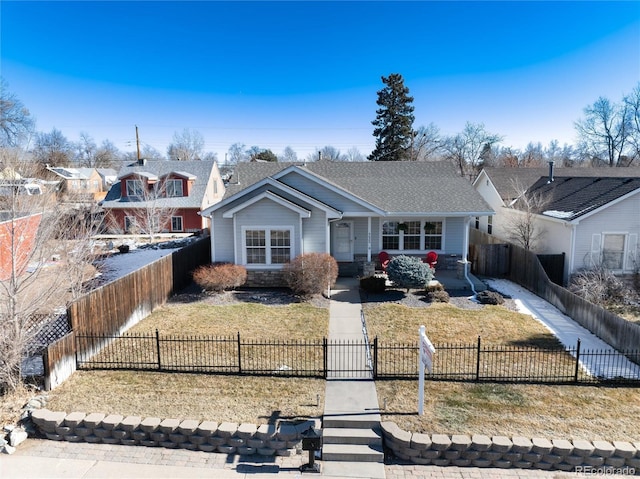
368,239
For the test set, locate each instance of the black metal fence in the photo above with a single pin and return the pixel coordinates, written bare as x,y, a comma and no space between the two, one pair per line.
325,359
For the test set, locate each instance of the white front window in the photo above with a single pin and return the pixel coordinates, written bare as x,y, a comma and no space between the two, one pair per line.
265,246
134,188
176,223
400,235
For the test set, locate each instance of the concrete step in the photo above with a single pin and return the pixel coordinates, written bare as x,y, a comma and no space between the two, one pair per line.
352,453
331,435
359,470
351,420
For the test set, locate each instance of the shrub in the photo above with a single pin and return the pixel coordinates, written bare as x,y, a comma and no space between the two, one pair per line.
438,296
598,286
489,297
434,287
409,272
220,277
311,273
373,284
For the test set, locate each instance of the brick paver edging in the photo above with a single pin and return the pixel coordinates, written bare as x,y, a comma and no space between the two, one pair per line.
504,452
207,436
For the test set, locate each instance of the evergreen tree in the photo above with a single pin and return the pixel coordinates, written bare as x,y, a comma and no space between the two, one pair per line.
394,121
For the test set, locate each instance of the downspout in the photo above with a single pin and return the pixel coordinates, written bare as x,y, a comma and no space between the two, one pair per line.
465,259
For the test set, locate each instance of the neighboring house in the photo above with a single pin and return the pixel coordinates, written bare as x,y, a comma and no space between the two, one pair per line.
273,212
592,215
179,190
83,184
17,239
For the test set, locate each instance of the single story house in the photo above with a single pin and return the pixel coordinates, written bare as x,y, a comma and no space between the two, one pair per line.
591,215
273,212
84,184
154,196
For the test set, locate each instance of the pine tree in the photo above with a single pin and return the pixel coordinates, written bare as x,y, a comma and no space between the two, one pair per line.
394,121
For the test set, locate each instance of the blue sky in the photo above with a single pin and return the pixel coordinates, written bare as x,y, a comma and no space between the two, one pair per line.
305,74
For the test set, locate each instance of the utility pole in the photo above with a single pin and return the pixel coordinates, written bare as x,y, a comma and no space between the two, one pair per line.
137,143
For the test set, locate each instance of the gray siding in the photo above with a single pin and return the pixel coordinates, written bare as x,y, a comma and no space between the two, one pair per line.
322,193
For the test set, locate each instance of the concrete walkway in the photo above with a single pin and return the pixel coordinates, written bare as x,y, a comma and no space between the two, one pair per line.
568,332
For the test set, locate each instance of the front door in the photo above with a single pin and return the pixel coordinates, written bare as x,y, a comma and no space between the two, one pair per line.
343,241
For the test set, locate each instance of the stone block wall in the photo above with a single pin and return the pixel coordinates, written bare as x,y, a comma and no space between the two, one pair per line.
516,452
207,436
265,279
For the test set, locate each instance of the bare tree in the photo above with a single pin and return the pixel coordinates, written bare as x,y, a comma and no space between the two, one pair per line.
151,211
604,131
464,149
32,282
633,105
187,145
53,148
427,143
522,227
353,154
16,123
288,155
237,154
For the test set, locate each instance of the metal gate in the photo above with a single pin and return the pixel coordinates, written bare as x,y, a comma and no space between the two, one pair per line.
348,360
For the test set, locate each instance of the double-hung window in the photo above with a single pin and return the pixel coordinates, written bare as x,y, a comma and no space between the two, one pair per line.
267,246
173,188
613,251
433,235
176,223
411,235
134,188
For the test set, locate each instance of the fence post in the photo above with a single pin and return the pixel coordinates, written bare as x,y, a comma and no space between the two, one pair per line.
239,355
158,349
324,357
478,361
575,377
375,357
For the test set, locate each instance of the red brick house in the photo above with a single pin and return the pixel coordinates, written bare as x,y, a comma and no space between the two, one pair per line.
17,239
162,196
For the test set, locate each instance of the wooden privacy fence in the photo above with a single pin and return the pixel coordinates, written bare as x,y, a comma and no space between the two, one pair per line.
116,306
317,358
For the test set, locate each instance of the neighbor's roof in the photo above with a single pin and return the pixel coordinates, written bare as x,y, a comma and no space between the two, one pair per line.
391,186
197,170
504,179
569,198
72,173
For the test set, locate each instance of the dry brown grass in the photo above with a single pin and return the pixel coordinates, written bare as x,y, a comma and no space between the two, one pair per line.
254,321
561,412
256,400
445,323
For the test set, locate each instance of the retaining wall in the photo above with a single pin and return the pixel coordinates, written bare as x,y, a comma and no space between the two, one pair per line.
206,436
517,452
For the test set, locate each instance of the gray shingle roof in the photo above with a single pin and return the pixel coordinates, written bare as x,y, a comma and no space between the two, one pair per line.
200,169
569,198
393,186
503,178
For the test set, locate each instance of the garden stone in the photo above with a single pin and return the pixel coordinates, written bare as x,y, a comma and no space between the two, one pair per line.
521,445
93,420
207,428
188,426
287,432
420,441
440,442
460,442
562,447
480,442
541,445
247,430
603,448
624,449
501,444
594,461
7,449
74,419
150,424
168,426
111,421
130,423
17,436
615,461
227,429
582,448
266,432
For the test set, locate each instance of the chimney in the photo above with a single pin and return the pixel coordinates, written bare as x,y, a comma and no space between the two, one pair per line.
141,161
550,172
